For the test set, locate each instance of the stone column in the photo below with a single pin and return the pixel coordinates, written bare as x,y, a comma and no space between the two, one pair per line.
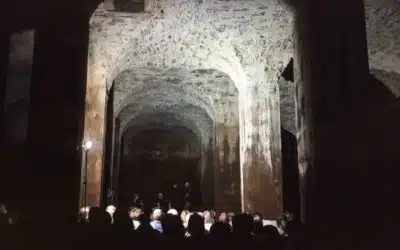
94,130
260,146
116,159
4,60
49,182
227,167
331,76
109,147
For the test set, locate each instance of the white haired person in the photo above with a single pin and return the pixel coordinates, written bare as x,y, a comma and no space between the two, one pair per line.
172,211
156,220
183,217
111,210
84,215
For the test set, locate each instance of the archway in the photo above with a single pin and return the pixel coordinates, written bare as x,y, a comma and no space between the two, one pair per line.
172,156
204,103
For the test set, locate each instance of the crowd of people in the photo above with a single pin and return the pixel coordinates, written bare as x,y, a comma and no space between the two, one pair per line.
169,227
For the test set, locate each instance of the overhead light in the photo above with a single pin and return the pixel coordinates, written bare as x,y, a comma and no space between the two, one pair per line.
87,145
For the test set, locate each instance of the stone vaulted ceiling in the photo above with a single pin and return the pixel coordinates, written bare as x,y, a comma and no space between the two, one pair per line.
198,99
223,35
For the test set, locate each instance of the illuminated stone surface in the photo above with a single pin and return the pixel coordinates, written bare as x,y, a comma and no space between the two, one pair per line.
198,27
152,57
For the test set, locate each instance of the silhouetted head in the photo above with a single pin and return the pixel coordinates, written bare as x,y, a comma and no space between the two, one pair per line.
98,217
187,184
172,226
269,235
196,226
242,225
160,196
122,222
220,231
257,227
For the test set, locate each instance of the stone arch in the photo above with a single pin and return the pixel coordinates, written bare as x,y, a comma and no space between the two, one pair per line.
190,117
166,42
201,98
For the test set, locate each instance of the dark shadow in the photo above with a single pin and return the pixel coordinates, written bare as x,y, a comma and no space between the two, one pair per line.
49,184
290,173
355,174
12,162
135,6
288,71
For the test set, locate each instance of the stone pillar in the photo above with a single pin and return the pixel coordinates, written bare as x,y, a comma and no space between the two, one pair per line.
109,147
94,130
260,146
116,160
50,181
4,60
227,168
331,74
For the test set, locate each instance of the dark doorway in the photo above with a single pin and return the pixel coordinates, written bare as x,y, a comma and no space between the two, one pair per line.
154,160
